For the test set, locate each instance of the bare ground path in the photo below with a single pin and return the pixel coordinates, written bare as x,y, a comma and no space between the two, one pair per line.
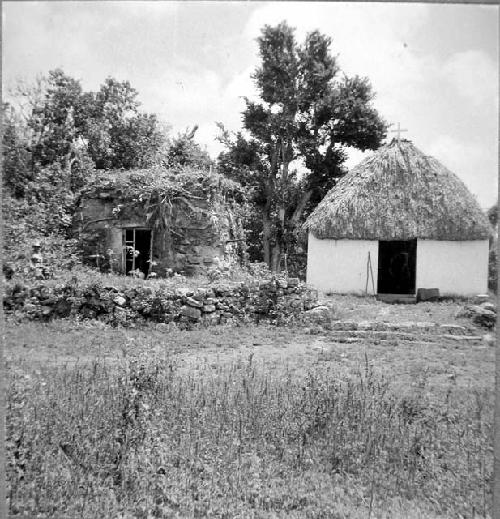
412,345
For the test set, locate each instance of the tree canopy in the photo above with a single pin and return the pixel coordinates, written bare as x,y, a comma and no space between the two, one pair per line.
307,110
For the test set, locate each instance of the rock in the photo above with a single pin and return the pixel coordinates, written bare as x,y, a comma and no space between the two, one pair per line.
184,292
485,318
207,309
282,283
293,282
320,315
481,298
467,338
119,300
452,329
427,294
489,306
46,310
62,308
489,339
345,325
190,301
191,313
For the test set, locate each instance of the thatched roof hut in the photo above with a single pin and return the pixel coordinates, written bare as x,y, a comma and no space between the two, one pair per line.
397,222
399,193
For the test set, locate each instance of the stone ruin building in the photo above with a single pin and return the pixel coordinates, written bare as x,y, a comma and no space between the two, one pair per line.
156,222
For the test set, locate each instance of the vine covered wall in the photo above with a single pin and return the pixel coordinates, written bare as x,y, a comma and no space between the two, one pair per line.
193,217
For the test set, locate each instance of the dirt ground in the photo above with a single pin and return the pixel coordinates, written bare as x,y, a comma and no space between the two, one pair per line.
406,359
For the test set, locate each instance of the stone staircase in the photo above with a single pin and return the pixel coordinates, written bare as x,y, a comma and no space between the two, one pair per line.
353,331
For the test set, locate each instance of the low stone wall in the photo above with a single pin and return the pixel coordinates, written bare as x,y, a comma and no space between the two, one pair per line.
277,300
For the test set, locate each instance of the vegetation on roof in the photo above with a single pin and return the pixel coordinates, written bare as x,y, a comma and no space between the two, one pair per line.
399,193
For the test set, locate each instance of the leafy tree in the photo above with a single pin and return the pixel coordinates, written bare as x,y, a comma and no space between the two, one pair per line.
184,151
58,119
108,123
306,111
119,136
16,157
493,215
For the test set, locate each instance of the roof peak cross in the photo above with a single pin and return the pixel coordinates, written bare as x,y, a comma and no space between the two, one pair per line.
398,131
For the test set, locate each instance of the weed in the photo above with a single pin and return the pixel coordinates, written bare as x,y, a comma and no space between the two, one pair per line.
142,437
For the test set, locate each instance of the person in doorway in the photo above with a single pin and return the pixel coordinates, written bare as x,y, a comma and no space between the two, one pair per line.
400,272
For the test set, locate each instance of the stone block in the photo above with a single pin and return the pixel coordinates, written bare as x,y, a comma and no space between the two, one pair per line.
119,300
190,301
191,313
184,292
427,294
320,315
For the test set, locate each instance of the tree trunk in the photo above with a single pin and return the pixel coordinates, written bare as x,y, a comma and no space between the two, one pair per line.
276,258
266,237
300,207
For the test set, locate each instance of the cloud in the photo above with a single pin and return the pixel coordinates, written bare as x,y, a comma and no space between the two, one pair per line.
475,77
191,68
472,162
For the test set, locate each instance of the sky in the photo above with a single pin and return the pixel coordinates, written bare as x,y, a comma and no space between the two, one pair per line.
434,67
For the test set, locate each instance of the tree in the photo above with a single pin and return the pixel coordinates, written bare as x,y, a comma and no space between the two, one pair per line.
306,111
184,151
116,134
16,158
493,215
57,119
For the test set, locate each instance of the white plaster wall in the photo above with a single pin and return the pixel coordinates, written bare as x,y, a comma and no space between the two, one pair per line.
339,266
455,267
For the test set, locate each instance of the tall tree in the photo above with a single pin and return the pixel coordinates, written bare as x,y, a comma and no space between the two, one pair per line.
307,110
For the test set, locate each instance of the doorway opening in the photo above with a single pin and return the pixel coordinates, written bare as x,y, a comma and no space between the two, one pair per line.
137,245
397,267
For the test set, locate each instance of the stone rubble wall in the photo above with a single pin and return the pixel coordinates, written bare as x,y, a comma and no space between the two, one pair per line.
278,300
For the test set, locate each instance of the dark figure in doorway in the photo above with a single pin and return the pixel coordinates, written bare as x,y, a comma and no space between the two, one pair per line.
400,271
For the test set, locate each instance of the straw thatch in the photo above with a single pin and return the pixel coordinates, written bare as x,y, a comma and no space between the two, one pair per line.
399,194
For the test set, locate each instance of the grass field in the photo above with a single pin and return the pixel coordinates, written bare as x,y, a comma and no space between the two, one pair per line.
253,421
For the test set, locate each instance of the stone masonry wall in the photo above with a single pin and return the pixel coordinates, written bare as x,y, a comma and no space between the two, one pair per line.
277,300
191,249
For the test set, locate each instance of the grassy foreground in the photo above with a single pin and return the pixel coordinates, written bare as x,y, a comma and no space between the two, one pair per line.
142,434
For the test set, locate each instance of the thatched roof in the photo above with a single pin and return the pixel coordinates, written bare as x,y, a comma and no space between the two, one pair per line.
399,193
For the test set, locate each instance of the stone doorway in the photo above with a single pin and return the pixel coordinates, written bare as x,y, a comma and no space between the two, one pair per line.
137,247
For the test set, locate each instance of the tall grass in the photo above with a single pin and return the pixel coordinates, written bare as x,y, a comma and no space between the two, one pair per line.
147,439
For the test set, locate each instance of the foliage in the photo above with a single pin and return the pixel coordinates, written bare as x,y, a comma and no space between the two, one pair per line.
119,136
305,112
39,218
145,438
493,266
16,159
63,120
156,189
183,151
493,215
493,255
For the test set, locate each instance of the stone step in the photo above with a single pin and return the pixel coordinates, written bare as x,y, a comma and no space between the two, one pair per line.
408,299
358,335
417,327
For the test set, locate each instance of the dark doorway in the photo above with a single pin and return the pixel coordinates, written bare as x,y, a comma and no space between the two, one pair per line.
137,245
397,267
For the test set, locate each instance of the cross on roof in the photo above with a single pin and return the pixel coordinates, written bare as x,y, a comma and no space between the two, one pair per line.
398,131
